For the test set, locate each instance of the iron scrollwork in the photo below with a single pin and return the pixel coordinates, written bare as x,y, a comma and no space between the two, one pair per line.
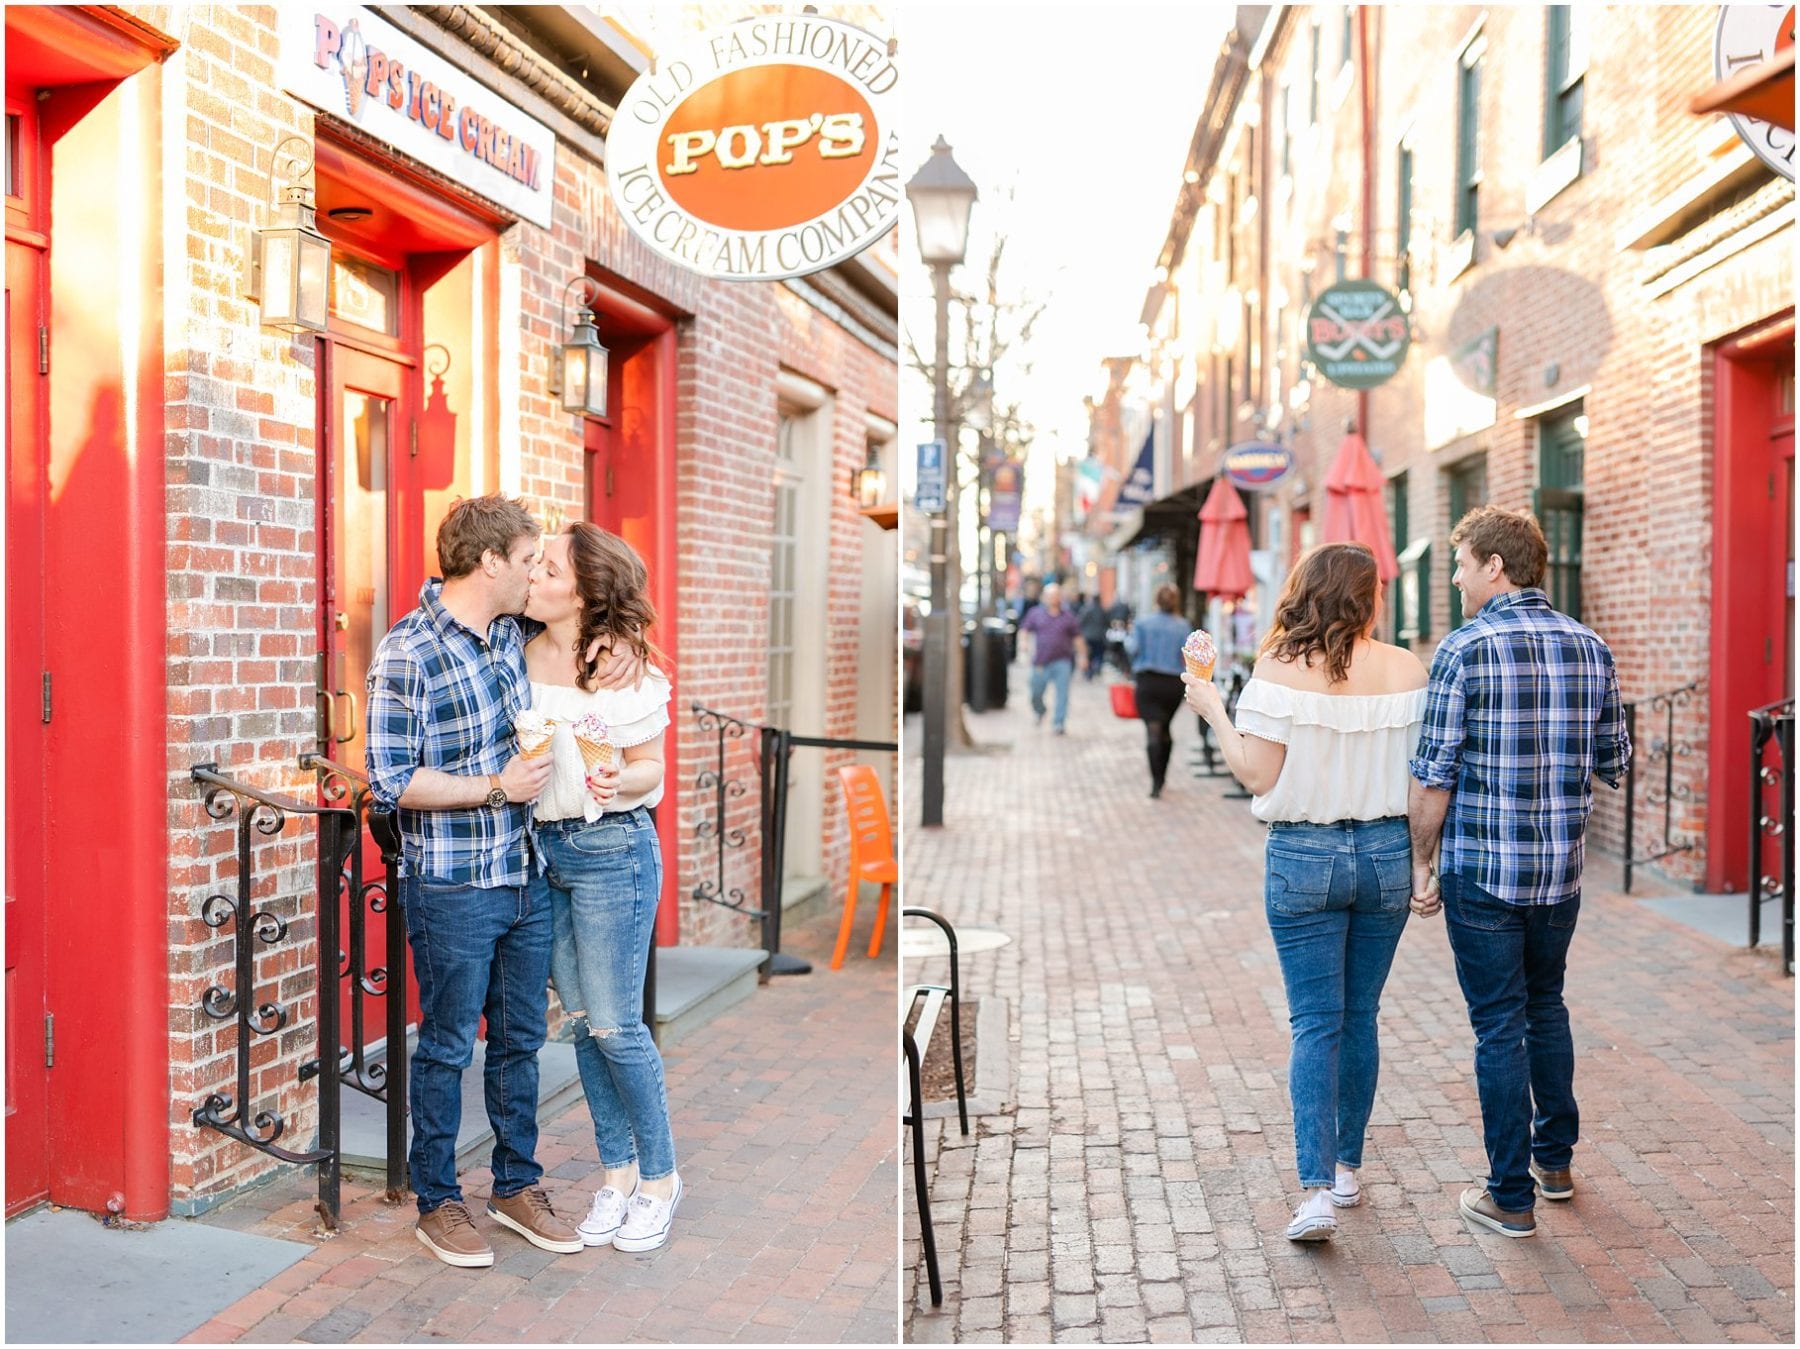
1657,765
1772,773
724,789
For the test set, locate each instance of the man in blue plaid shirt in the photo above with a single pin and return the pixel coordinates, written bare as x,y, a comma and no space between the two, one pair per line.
1522,714
445,687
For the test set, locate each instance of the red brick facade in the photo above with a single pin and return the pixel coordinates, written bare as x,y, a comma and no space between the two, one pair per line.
242,516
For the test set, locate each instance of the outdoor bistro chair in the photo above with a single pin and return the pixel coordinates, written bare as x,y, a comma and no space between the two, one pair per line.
871,854
930,1000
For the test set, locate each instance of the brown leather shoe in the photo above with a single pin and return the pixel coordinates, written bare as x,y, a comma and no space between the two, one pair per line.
529,1214
448,1232
1478,1206
1553,1184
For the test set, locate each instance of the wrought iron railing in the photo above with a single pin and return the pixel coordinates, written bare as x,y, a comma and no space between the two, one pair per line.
384,1081
1772,736
230,1113
774,750
1655,763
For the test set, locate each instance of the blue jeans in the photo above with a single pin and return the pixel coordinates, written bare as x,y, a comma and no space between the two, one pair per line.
1057,672
1510,960
605,879
476,952
1337,899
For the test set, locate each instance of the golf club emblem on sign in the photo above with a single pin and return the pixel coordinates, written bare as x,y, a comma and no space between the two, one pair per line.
761,150
1357,335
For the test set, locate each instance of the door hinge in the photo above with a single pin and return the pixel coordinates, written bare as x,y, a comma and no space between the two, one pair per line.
413,435
49,1040
43,350
46,697
609,480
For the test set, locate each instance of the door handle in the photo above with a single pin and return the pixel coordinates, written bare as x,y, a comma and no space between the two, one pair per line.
328,731
351,733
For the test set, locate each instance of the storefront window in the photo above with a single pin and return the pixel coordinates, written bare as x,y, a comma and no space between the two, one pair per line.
1468,489
1562,446
364,294
782,575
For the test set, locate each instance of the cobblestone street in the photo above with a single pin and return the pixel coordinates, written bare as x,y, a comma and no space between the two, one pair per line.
1138,1182
787,1144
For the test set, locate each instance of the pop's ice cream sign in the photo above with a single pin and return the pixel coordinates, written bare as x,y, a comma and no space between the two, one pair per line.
355,66
764,149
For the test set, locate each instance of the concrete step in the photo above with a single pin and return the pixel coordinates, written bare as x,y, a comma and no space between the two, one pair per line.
694,984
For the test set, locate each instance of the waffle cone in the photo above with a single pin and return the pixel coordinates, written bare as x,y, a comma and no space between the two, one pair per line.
532,748
595,753
1196,669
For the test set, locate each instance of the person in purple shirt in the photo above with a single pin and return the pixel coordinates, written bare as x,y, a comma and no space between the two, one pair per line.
1055,642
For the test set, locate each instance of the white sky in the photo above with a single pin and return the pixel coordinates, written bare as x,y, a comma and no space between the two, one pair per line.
1086,114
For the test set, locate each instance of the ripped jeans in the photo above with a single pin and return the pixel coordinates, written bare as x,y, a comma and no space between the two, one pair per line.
605,878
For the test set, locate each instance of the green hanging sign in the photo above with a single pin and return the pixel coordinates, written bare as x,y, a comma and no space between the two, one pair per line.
1357,335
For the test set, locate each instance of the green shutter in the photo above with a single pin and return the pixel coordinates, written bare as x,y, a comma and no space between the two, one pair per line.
1559,505
1556,65
1468,145
1403,224
1468,489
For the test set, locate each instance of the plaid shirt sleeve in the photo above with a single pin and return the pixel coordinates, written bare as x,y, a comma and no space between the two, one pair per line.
1439,754
396,731
1612,744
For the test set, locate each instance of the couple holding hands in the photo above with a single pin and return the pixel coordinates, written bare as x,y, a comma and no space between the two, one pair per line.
1390,793
522,868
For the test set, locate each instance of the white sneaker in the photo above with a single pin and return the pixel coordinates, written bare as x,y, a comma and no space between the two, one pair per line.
1347,1192
647,1220
605,1217
1313,1220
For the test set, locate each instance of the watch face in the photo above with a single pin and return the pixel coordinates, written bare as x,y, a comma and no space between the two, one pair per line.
496,797
1751,35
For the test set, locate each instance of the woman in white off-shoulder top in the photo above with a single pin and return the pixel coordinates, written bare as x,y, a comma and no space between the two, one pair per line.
598,844
1324,729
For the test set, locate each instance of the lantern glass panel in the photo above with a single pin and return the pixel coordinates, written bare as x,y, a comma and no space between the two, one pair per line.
277,277
871,487
596,387
315,278
574,376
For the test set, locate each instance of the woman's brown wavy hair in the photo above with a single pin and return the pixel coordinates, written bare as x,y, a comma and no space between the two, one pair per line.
1327,604
613,584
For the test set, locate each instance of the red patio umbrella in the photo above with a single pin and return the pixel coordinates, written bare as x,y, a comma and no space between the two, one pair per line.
1223,567
1354,509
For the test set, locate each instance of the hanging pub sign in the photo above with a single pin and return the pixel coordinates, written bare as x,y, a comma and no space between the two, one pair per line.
349,63
1256,466
764,149
1357,335
1751,35
1005,491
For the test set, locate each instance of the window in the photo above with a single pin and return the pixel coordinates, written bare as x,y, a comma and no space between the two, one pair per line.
364,294
1562,446
1403,179
1312,85
14,142
1401,531
1349,34
1287,130
783,572
1468,489
1468,137
1565,65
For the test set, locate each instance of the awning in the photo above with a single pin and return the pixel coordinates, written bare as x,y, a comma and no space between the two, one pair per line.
1167,517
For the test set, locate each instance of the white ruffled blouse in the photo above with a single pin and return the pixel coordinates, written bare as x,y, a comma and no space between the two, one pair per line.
634,717
1346,752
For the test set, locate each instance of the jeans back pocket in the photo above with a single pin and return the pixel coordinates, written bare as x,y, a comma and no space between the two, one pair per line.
1393,877
1297,882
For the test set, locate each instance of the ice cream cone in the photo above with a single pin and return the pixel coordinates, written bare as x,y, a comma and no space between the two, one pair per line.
1199,654
534,745
595,753
1198,669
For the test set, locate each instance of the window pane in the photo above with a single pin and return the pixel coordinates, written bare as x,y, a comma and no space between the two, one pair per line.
364,294
13,176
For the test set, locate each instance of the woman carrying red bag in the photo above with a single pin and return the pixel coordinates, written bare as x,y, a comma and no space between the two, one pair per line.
1154,645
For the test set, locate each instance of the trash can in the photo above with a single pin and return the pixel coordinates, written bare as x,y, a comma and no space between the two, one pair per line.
994,634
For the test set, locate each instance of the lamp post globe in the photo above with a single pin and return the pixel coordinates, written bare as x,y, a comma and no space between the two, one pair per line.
942,198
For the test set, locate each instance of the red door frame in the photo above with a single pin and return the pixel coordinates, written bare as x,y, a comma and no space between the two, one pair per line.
639,436
108,1121
1748,580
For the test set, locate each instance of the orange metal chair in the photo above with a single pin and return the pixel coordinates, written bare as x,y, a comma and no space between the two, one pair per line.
871,853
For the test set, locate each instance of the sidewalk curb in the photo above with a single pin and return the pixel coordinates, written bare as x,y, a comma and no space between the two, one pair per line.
993,1063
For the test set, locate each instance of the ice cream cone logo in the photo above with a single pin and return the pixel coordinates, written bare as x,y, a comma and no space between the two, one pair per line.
353,59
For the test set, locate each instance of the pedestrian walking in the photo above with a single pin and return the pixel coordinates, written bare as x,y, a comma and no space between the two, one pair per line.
1523,713
1156,665
1324,727
1118,627
446,686
603,862
1093,633
1055,645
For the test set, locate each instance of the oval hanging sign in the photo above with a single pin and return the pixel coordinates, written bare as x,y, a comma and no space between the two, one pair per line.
1751,35
1256,467
1357,335
764,149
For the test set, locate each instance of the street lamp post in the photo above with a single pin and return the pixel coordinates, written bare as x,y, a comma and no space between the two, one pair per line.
942,197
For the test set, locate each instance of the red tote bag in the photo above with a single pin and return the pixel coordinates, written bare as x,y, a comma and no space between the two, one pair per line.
1124,700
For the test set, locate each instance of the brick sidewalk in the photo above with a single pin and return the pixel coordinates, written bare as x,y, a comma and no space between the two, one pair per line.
1139,1187
787,1146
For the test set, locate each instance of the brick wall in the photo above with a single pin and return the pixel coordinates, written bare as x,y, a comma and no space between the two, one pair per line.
241,452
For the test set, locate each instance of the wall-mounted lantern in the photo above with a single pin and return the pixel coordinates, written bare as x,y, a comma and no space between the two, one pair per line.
870,482
290,261
578,369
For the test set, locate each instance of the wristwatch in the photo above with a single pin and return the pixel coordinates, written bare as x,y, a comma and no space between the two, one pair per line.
496,793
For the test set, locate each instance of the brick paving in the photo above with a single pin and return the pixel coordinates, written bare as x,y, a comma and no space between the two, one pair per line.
1139,1183
788,1151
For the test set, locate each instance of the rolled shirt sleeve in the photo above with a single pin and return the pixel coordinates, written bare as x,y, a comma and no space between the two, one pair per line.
396,743
1439,755
1612,743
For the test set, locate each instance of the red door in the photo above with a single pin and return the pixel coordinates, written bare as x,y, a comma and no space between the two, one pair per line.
27,1082
364,420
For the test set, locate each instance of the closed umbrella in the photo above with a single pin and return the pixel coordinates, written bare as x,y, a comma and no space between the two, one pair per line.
1223,567
1354,509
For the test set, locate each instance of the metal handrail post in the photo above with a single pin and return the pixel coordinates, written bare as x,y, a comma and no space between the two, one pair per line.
1759,738
1630,791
